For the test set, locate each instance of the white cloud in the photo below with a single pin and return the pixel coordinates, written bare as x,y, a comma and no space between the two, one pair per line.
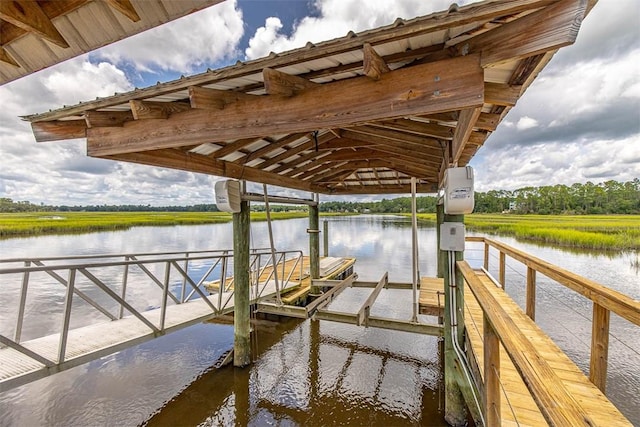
336,18
526,122
205,37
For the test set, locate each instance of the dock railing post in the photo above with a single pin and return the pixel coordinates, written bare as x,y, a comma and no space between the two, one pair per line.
441,254
599,346
241,319
491,374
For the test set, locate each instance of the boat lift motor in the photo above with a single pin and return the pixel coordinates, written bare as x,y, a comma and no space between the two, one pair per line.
458,191
228,195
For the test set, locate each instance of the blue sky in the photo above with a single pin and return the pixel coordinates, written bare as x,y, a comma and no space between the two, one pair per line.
579,121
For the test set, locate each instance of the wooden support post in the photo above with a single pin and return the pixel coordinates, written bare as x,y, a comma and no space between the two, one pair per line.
241,319
491,375
531,293
454,405
486,256
314,246
441,254
599,346
326,238
502,265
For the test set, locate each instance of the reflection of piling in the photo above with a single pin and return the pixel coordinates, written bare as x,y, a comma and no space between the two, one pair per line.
241,320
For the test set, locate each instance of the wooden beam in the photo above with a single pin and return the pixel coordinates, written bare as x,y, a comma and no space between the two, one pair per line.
126,8
373,65
107,118
59,130
279,83
466,122
548,29
501,94
214,99
399,93
7,58
192,162
365,309
29,16
142,110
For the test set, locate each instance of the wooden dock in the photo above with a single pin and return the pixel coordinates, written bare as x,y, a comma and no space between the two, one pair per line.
97,340
518,407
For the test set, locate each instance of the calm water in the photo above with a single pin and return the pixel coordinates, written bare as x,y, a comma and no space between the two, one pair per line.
305,373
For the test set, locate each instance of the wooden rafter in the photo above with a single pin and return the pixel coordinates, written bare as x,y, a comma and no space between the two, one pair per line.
6,57
126,8
30,17
466,122
232,147
59,130
279,83
373,66
214,99
384,136
143,110
501,94
107,118
416,128
271,146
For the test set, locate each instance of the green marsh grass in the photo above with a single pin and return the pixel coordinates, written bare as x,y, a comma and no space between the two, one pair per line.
39,223
616,232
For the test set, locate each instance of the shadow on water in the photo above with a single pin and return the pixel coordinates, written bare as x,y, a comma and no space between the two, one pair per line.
316,374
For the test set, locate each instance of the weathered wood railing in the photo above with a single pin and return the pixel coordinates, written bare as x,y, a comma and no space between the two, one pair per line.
604,300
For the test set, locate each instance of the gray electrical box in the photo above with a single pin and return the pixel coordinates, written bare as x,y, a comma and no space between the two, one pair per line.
452,236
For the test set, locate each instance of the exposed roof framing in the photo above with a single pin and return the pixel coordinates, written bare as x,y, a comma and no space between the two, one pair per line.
35,34
359,114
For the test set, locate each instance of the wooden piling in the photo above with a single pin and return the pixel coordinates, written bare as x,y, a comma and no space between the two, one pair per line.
325,237
241,319
314,246
440,254
454,406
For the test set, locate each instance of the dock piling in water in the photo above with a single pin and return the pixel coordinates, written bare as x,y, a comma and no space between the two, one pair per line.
241,319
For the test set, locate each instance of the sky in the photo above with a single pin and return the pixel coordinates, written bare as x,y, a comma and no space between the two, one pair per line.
578,122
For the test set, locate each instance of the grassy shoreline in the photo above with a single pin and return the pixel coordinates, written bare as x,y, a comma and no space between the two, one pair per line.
609,232
40,223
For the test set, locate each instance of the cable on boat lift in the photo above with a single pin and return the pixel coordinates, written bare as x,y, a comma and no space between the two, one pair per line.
272,246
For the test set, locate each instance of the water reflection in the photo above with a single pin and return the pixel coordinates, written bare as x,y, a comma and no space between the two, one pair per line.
315,374
392,375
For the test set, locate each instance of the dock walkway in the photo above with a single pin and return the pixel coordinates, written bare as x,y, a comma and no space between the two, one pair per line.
100,339
518,407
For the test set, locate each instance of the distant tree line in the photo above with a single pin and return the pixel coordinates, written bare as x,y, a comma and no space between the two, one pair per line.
8,205
610,197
